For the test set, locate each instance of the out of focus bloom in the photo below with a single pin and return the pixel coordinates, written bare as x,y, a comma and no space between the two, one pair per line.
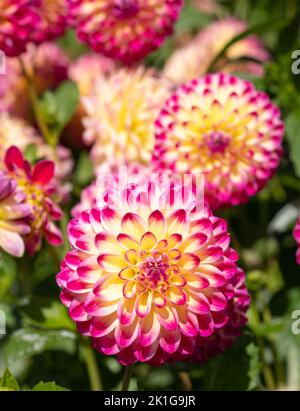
194,59
153,284
52,21
121,113
126,30
48,66
18,18
297,238
94,195
222,127
84,72
17,131
35,183
13,211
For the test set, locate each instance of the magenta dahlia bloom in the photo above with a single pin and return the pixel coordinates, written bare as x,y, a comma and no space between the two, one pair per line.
13,211
126,30
18,18
152,277
35,185
222,127
52,21
296,233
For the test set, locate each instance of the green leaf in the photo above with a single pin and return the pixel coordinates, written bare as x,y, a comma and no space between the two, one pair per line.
46,313
84,170
237,369
293,135
8,273
57,107
254,366
8,382
27,342
48,386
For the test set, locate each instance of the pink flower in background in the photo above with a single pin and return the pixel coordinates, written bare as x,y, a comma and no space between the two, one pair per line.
153,284
35,184
13,211
220,126
52,19
194,58
126,30
48,66
297,238
18,18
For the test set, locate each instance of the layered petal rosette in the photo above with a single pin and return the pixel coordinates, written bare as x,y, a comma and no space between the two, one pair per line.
18,18
296,234
53,15
35,185
152,277
13,212
222,127
126,30
121,112
194,58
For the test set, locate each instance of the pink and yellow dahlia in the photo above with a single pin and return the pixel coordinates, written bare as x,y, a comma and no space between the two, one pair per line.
18,18
48,66
153,279
296,234
53,15
126,30
13,211
194,58
35,183
220,126
17,131
84,72
120,115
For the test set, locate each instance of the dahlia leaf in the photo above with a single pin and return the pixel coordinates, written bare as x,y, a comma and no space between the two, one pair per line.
8,382
48,386
28,342
8,272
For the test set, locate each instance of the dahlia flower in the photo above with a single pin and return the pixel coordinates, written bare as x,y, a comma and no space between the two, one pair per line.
35,184
120,115
126,30
18,18
84,72
48,65
297,238
153,279
193,60
52,21
13,211
221,126
17,131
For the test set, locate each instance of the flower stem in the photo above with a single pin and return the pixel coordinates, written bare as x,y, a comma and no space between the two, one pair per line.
127,378
91,365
